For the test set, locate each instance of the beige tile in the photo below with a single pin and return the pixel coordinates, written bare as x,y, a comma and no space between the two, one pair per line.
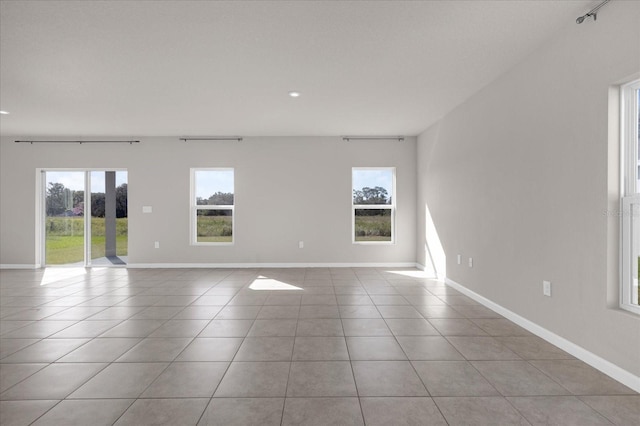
361,312
227,328
10,346
243,412
134,328
265,349
354,299
319,311
533,348
273,328
254,379
187,380
476,311
176,300
180,328
620,410
156,349
55,381
481,348
365,327
101,350
322,412
21,413
456,327
283,299
198,312
453,378
38,330
405,411
98,412
10,374
120,380
279,312
374,348
387,378
411,327
158,312
117,313
479,411
248,300
210,300
428,348
211,349
581,379
76,313
321,378
164,412
558,410
441,311
319,299
238,312
46,350
500,327
399,312
518,378
388,299
320,327
320,349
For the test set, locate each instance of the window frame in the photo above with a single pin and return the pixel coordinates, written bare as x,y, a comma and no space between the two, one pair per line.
194,207
630,191
391,207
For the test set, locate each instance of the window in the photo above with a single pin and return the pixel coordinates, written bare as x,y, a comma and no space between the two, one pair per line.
212,203
373,206
629,130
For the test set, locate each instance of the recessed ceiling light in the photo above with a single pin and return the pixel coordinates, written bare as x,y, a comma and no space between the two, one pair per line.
4,112
294,94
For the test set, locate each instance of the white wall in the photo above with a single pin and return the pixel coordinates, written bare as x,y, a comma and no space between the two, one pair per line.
287,190
517,178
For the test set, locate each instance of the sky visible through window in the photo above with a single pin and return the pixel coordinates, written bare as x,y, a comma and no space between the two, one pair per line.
363,178
74,180
208,182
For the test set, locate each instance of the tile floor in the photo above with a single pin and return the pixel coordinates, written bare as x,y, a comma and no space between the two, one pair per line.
347,346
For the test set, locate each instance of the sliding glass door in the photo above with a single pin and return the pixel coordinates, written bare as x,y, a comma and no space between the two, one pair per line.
64,217
85,217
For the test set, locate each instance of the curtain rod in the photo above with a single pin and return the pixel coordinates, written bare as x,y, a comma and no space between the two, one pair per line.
213,138
80,142
593,12
373,138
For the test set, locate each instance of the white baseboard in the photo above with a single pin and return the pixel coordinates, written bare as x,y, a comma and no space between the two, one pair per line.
623,376
18,266
271,265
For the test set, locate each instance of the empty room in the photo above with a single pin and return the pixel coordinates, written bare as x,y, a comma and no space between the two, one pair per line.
320,213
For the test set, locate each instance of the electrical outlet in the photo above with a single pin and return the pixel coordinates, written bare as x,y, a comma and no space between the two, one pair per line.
459,259
470,262
300,244
546,288
147,209
156,244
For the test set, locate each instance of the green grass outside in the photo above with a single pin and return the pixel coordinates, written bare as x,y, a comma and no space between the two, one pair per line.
215,229
372,228
65,239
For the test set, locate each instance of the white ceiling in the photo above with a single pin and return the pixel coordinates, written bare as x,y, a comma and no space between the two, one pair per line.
141,68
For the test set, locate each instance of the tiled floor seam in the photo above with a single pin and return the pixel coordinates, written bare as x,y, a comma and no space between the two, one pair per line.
353,374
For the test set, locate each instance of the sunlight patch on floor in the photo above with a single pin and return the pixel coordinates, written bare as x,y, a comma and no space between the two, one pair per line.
52,275
411,273
264,283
